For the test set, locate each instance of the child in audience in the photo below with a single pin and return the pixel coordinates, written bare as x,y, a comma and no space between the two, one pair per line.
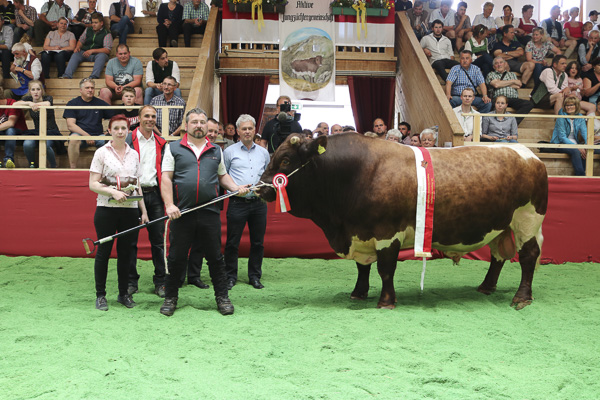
587,27
132,114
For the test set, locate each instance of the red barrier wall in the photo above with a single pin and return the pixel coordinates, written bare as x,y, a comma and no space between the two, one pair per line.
48,213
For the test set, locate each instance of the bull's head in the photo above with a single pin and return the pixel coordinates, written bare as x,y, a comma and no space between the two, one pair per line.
293,153
319,60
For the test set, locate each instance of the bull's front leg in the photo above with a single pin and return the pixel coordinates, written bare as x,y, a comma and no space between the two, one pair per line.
386,266
361,290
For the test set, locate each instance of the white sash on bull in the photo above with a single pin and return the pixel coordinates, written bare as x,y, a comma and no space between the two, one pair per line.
425,203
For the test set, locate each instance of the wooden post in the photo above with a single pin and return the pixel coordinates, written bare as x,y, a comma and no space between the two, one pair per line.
43,134
589,160
477,128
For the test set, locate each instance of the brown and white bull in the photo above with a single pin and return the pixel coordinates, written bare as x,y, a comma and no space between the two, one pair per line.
362,193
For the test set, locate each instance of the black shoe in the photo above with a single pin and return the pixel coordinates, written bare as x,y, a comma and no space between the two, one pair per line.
168,307
132,290
198,283
126,300
230,284
174,43
256,283
101,303
160,291
224,305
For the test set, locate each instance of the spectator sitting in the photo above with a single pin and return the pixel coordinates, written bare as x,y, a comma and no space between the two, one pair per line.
556,32
554,86
156,70
93,45
463,76
510,50
7,12
573,28
403,5
404,128
486,19
499,128
35,98
525,25
418,19
478,44
48,19
572,131
168,98
58,47
122,71
462,25
438,50
597,123
587,28
195,15
336,128
593,15
132,114
466,121
82,122
121,20
588,51
505,83
576,85
379,127
230,135
26,67
507,17
428,138
6,42
12,123
83,19
591,82
25,17
150,7
536,52
415,140
446,16
169,23
393,135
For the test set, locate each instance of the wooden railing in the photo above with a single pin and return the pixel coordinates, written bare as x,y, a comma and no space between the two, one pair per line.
589,160
43,127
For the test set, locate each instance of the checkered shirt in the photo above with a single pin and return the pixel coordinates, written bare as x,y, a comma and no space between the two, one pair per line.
189,12
175,114
460,81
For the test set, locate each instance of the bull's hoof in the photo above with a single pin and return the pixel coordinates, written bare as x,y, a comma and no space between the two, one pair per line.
358,295
486,289
386,306
520,303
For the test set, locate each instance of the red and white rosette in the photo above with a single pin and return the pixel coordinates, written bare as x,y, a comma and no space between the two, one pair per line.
280,181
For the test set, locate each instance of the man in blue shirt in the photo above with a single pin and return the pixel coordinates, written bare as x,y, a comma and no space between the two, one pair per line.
245,162
467,75
82,122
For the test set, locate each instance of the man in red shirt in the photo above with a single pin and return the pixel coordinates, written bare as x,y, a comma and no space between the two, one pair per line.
12,123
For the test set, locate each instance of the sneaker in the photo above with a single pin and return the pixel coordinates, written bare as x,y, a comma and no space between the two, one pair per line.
101,303
168,307
224,305
10,163
132,289
160,291
126,300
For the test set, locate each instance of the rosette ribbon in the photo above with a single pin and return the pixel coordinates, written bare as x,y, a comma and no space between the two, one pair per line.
282,205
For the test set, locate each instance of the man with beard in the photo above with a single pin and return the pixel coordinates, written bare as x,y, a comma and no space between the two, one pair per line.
26,67
185,161
168,98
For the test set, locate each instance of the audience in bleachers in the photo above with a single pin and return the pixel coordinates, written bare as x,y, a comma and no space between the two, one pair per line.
507,18
150,7
447,16
576,85
588,50
591,82
58,47
93,45
157,70
404,128
6,42
511,51
168,98
462,26
121,16
557,34
418,19
537,50
48,19
7,11
415,140
553,87
169,19
25,17
428,138
195,15
12,123
123,71
524,25
438,49
486,19
466,121
499,128
83,19
573,28
479,45
35,98
467,75
25,68
132,114
505,83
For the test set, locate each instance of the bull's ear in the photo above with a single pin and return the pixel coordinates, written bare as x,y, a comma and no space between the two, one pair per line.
312,148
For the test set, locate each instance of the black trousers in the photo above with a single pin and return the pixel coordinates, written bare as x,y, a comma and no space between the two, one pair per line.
521,107
440,67
167,34
155,209
239,212
108,221
188,30
202,227
7,59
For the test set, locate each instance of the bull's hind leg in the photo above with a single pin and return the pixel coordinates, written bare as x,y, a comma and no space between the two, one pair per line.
488,286
528,256
386,266
361,290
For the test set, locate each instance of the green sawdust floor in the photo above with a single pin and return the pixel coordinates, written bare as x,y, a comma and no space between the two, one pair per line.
301,337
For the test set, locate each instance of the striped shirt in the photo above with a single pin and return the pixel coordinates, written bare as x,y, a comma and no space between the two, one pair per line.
189,12
459,79
175,114
29,12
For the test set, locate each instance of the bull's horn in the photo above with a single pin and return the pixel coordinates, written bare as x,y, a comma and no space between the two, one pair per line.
295,140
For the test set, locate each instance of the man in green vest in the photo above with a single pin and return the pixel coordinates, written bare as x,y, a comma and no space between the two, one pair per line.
94,45
156,71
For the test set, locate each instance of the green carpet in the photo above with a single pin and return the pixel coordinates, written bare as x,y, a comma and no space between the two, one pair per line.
301,337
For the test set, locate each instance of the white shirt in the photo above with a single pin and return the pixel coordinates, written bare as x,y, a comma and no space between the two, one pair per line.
489,22
448,20
168,164
150,74
147,160
466,121
440,50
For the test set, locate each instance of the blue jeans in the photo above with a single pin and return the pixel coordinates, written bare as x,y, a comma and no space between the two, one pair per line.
537,71
10,145
478,103
99,60
122,28
29,147
576,160
19,32
506,141
149,93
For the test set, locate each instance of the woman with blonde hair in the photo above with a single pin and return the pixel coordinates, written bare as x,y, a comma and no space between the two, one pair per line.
537,50
573,28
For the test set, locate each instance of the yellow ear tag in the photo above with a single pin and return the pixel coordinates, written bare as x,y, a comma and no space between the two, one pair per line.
321,149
